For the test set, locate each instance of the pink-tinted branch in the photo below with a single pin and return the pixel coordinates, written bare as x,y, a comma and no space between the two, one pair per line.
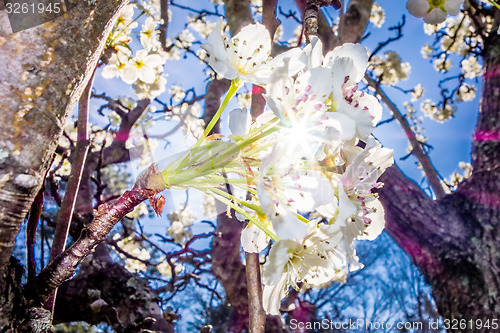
78,162
105,217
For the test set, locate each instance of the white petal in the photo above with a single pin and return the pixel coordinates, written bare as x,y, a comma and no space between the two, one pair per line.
153,60
110,71
277,260
285,222
314,51
253,239
418,8
378,221
346,207
239,121
328,210
141,54
453,6
347,124
147,75
358,56
130,74
253,43
436,16
216,49
272,296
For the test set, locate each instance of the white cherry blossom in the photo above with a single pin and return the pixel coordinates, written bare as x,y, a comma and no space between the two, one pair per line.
434,11
149,36
116,65
247,55
335,79
305,124
292,262
143,67
286,187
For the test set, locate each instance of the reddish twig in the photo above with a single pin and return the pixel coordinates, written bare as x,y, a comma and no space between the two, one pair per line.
78,162
105,217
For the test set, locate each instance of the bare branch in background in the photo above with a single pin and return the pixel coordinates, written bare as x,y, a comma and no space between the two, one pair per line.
164,24
417,150
78,163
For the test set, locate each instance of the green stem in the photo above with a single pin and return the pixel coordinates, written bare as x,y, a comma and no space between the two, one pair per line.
242,212
113,40
494,4
230,93
253,207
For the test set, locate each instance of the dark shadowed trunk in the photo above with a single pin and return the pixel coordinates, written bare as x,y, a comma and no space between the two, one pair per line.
455,241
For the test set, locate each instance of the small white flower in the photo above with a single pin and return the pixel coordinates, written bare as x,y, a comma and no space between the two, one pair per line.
149,34
125,21
471,68
285,187
433,11
247,55
466,92
116,65
143,67
377,15
417,92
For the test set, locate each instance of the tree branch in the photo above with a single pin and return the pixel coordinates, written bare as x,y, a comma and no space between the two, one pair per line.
426,229
311,14
164,24
35,213
37,95
353,23
257,315
417,150
104,291
105,217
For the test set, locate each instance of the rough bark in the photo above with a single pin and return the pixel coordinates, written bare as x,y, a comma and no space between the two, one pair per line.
454,241
353,23
106,216
43,72
104,291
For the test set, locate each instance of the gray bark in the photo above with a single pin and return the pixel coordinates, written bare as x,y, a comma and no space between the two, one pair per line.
42,74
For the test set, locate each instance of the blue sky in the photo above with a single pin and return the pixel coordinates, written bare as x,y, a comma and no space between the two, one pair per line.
451,140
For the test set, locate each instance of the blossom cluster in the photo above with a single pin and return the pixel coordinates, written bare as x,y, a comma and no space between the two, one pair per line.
307,167
144,68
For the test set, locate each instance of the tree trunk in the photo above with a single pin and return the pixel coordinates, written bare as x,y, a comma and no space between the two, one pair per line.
455,241
42,73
